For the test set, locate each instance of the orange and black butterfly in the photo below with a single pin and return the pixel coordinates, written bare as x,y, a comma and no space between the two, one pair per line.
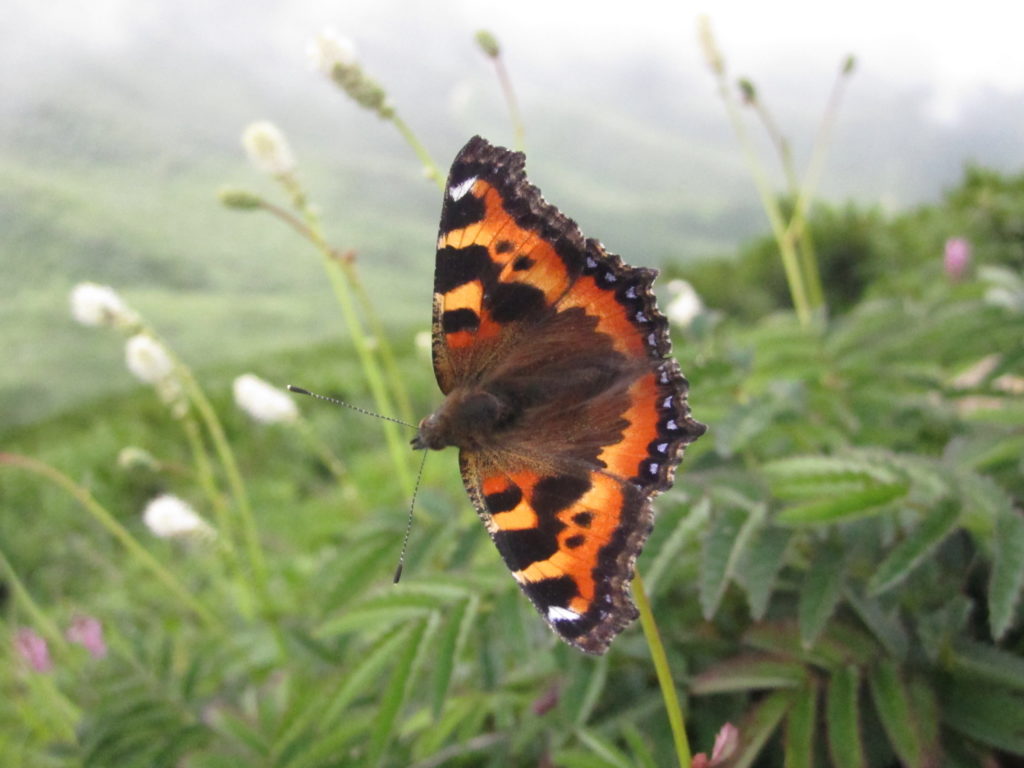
560,394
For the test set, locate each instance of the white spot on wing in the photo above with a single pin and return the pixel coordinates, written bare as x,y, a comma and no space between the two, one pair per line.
667,403
459,190
662,447
558,613
672,426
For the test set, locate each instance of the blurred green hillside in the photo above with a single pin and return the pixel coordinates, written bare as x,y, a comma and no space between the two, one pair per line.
111,155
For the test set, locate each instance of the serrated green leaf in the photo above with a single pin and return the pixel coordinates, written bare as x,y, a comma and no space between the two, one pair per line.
886,627
759,725
240,732
800,722
918,544
987,663
366,673
782,639
393,699
579,758
820,593
759,567
842,719
828,469
896,713
640,751
985,713
749,673
870,501
325,748
450,645
1007,581
595,686
720,551
382,612
937,629
603,748
686,530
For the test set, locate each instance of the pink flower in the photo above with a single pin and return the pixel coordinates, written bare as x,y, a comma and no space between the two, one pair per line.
33,649
726,742
88,632
957,258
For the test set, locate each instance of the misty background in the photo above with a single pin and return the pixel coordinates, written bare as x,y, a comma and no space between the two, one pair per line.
119,120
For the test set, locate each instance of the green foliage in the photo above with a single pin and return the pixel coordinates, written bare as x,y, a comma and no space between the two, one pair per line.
863,251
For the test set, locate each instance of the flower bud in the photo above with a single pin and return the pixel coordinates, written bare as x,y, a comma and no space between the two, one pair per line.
242,199
132,457
488,43
33,649
747,91
94,304
268,149
168,517
263,401
88,632
328,52
147,359
708,46
956,258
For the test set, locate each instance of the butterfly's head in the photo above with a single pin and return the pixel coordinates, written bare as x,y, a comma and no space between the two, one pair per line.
467,418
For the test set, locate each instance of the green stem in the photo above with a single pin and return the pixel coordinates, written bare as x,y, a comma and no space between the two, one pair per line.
797,226
345,262
36,614
513,104
226,456
398,447
429,166
790,261
383,346
340,283
208,483
118,531
661,668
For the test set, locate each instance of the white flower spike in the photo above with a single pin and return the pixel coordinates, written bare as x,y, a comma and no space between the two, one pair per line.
93,304
263,401
268,149
329,50
147,359
168,517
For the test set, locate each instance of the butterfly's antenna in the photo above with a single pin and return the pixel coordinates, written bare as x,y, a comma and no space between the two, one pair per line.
408,527
301,391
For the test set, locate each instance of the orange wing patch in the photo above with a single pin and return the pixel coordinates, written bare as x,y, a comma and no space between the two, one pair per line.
567,542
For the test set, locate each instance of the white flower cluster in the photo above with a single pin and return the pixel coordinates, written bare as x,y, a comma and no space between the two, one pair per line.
93,304
685,304
168,517
263,401
268,149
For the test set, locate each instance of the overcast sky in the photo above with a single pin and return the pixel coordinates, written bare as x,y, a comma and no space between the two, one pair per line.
954,48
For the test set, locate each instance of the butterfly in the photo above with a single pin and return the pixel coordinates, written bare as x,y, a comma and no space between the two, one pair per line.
559,392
